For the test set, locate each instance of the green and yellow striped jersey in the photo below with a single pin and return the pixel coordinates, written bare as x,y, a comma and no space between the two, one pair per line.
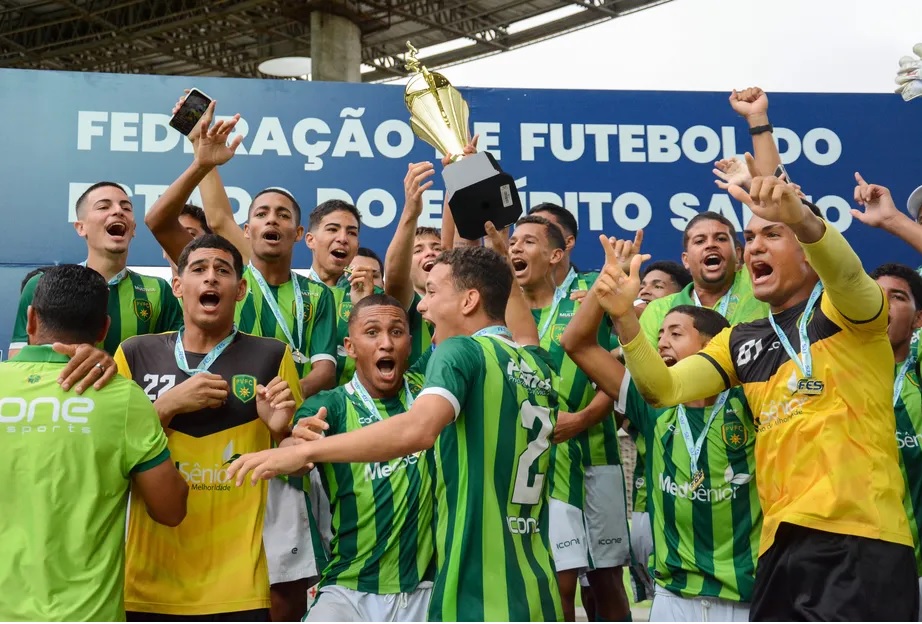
420,331
493,558
382,511
138,305
908,410
705,539
254,316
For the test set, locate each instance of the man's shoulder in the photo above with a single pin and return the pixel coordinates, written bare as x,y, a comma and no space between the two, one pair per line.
259,345
313,287
148,342
151,281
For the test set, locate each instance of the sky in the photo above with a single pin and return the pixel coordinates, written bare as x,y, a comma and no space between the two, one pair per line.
830,46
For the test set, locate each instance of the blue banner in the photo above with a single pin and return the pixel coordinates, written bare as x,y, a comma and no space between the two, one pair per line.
619,160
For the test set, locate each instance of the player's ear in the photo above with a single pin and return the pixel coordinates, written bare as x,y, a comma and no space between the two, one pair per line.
242,289
685,260
569,242
917,321
105,330
350,348
309,240
557,256
81,229
177,286
299,233
471,302
31,321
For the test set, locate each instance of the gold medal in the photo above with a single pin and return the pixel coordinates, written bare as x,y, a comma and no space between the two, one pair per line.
810,386
697,479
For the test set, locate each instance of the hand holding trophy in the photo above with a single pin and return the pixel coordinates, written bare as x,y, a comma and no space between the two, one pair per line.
477,189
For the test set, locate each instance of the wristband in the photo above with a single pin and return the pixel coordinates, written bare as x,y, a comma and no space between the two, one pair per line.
761,129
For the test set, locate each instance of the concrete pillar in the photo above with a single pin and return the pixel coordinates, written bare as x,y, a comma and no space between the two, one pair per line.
336,48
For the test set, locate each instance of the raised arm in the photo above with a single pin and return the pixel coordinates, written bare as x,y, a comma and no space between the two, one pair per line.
752,105
580,341
519,319
849,288
212,149
881,212
398,261
220,215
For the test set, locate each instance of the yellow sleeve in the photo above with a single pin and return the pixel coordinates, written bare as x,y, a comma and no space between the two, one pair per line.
121,363
697,377
857,299
289,373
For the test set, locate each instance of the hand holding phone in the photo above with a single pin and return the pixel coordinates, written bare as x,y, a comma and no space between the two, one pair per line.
191,111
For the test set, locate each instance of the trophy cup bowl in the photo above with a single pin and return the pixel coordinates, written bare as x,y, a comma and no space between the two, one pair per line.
438,113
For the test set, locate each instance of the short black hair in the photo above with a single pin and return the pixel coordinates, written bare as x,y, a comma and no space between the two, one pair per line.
82,199
814,209
679,274
210,241
554,235
905,273
563,215
329,207
709,215
275,189
377,299
483,270
365,252
706,321
428,231
71,303
198,214
32,274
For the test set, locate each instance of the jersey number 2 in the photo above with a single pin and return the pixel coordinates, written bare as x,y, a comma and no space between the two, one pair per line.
164,381
524,493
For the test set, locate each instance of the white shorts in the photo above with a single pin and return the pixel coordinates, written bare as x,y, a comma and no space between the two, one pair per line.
642,549
341,604
320,506
669,607
567,533
606,517
287,534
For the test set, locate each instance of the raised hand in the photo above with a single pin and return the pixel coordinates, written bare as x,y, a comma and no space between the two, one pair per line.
311,428
415,184
275,405
362,282
879,209
749,102
269,464
769,197
469,149
625,250
497,240
211,146
732,171
615,289
88,366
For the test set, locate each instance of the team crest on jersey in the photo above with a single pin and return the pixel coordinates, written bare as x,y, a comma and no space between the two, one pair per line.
143,309
415,388
308,310
345,310
557,332
734,435
244,387
33,379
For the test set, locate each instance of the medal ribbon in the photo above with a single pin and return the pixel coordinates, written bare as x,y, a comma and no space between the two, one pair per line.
179,352
694,446
277,313
804,362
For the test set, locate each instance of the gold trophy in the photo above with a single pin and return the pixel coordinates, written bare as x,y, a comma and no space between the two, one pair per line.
438,113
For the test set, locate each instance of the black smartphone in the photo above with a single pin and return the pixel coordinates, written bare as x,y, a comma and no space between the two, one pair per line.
781,171
191,111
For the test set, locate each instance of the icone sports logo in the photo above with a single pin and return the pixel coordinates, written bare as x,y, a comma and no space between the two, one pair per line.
46,415
567,543
524,376
522,526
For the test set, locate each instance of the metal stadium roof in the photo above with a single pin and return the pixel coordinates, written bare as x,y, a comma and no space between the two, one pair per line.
231,37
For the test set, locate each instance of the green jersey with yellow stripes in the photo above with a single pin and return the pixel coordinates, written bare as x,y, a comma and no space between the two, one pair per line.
318,336
420,331
705,538
493,557
908,409
382,511
138,305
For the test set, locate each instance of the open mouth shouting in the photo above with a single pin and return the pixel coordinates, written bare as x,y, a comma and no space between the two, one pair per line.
272,236
387,368
519,265
713,261
339,254
760,272
428,264
209,300
117,229
668,359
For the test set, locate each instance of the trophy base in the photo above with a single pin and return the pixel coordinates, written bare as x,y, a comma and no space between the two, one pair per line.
479,191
